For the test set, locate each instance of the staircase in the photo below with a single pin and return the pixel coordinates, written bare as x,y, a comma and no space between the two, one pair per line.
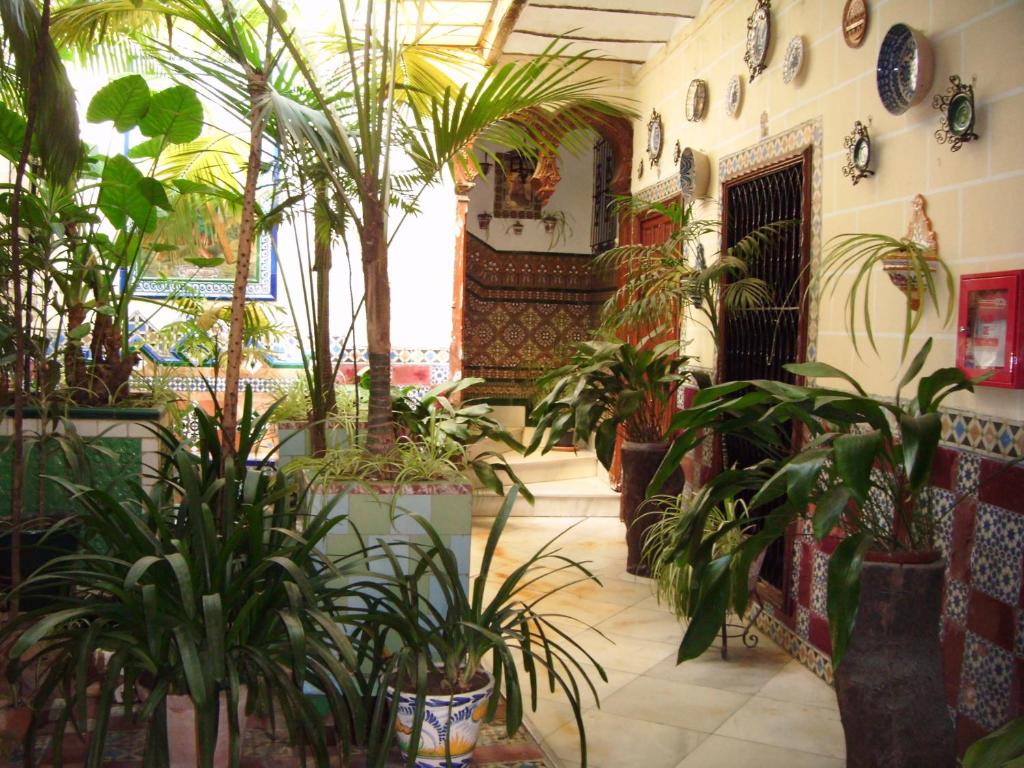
563,483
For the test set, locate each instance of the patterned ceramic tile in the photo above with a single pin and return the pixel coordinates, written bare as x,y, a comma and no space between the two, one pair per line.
942,504
987,681
439,373
996,557
1018,645
957,593
819,583
803,622
794,583
968,471
787,639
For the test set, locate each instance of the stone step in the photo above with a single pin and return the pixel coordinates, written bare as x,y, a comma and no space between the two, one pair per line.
579,497
555,465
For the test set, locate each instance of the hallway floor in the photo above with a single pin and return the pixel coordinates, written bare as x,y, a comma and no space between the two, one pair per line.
760,708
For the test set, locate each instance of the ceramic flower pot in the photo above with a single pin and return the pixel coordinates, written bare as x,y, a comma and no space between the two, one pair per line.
183,734
639,463
890,683
451,723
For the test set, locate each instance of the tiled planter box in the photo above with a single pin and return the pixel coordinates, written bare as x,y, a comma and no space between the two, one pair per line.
122,431
293,440
382,513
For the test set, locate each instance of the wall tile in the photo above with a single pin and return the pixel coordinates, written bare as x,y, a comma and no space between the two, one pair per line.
996,557
957,593
987,680
991,619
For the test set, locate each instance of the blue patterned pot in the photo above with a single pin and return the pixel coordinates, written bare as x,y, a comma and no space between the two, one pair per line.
450,723
905,69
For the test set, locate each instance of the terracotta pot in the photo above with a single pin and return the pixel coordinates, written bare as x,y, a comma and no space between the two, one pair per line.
183,733
451,723
639,463
890,683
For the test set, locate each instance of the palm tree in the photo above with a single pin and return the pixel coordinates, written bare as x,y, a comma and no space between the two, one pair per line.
51,124
395,100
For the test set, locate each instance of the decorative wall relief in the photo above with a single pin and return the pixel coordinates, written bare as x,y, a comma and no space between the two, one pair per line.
858,148
655,138
514,194
957,108
855,22
919,230
759,34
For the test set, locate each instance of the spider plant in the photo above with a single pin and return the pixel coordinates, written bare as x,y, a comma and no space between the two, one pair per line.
862,253
439,639
189,602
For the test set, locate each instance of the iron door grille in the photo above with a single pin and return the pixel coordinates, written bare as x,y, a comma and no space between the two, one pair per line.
759,342
604,226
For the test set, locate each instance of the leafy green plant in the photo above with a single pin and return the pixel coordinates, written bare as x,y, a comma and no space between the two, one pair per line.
661,286
439,641
608,383
672,579
1003,748
864,468
211,581
862,253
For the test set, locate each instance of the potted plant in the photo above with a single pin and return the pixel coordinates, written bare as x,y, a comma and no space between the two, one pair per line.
608,384
452,647
209,586
860,478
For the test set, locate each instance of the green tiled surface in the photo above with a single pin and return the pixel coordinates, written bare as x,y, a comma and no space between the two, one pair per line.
111,460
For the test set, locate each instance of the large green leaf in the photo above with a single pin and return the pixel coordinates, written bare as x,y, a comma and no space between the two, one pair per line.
854,457
920,443
709,612
176,114
117,188
12,133
124,101
844,569
1000,749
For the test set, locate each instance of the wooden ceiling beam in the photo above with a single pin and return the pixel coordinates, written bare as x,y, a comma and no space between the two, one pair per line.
587,38
630,11
505,28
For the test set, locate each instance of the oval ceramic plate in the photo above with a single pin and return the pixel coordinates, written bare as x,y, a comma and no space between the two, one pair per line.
904,71
733,96
794,59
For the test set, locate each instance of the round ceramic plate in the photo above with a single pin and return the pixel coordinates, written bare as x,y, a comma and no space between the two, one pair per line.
696,100
733,96
960,114
904,71
794,59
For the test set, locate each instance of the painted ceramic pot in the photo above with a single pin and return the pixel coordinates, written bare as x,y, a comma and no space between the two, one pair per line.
905,68
694,171
450,723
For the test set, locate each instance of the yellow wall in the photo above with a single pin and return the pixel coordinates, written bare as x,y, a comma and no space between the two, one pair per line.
975,196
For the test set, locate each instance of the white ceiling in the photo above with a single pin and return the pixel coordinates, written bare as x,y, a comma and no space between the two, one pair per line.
622,30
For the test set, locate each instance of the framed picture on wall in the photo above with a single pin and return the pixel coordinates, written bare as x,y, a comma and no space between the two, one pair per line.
514,195
202,261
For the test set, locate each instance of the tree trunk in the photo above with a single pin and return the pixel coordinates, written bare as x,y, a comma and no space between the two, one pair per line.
246,231
323,401
380,436
20,329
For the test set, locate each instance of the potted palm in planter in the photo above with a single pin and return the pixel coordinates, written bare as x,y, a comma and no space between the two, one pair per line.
861,481
608,384
449,648
208,590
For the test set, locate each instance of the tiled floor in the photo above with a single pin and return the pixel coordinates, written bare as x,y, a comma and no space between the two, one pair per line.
760,708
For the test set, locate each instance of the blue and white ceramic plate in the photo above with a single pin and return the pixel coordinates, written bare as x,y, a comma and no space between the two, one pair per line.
905,67
794,60
733,96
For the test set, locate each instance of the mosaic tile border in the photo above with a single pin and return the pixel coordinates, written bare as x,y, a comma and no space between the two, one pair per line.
819,663
983,434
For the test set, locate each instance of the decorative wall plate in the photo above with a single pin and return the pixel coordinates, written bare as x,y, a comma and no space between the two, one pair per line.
905,67
696,100
855,22
794,59
655,138
759,34
694,172
733,96
957,108
858,148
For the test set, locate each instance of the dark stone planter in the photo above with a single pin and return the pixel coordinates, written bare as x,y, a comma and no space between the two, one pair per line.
890,684
639,463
